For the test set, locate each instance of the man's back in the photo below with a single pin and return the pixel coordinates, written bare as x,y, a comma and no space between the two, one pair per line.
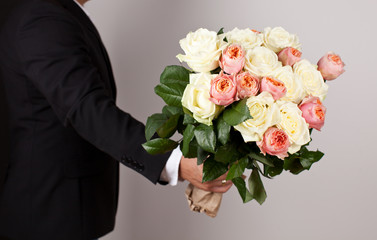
66,133
5,8
4,135
58,185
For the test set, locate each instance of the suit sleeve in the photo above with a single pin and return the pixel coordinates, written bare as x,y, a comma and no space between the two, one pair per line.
55,58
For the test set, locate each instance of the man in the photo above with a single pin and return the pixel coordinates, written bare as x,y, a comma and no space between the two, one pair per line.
66,134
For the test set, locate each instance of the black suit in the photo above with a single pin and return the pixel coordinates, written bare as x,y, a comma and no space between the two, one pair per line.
64,127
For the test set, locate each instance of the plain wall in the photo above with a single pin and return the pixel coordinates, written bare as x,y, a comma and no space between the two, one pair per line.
337,199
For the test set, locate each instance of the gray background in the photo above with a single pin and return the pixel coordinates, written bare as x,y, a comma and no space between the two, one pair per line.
337,199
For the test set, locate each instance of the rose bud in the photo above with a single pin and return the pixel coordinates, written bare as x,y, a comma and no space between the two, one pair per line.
233,59
223,90
330,66
313,112
289,56
273,86
275,142
247,85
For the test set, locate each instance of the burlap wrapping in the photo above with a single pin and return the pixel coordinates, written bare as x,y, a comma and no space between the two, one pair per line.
203,201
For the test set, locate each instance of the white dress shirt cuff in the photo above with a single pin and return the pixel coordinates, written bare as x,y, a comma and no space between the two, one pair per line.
170,172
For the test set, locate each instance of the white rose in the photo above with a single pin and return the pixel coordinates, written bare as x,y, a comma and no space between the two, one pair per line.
261,61
295,90
202,79
294,125
311,79
278,38
265,114
244,37
196,98
203,49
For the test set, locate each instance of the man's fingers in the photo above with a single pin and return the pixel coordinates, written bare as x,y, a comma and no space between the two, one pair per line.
192,172
221,188
219,179
222,177
217,185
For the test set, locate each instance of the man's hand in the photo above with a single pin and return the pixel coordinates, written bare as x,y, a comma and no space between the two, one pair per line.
190,171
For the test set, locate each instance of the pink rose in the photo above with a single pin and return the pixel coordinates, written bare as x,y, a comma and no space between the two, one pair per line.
273,86
330,66
247,85
223,89
233,59
289,56
313,112
275,142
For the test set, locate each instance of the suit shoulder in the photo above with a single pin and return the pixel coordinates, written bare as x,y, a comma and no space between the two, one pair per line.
28,11
47,8
35,22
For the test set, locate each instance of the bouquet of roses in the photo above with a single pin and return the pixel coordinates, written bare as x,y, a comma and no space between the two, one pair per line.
248,101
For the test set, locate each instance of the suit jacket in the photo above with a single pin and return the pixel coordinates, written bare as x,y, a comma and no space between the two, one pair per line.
66,133
5,8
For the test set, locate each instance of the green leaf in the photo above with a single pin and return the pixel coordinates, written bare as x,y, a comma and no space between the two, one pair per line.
185,110
223,130
169,127
238,113
256,165
171,110
302,160
307,158
193,149
261,158
292,164
241,187
276,170
221,31
154,122
206,138
237,168
305,163
216,71
188,136
159,146
173,82
171,93
201,155
213,169
227,153
175,74
187,119
256,187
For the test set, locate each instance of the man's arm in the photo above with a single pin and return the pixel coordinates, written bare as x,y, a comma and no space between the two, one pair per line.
55,57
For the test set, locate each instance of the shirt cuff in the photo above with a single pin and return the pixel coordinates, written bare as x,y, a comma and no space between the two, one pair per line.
170,172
